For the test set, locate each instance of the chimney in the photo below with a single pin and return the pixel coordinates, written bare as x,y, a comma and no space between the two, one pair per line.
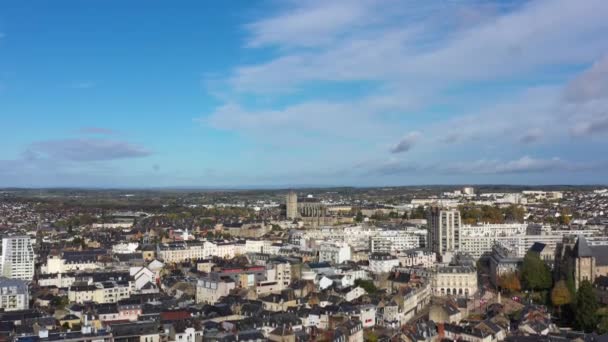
441,330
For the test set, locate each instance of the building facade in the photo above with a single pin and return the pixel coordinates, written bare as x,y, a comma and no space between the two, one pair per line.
18,258
444,230
14,294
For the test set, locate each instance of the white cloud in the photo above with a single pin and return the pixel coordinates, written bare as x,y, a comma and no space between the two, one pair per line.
412,56
540,34
523,165
84,150
310,23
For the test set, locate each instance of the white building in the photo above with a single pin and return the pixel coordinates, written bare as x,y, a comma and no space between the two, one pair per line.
125,247
14,294
209,291
100,292
18,258
184,251
467,190
334,253
455,281
57,264
382,262
417,257
389,241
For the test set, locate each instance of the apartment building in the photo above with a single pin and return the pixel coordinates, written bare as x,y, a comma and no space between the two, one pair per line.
14,294
444,230
18,258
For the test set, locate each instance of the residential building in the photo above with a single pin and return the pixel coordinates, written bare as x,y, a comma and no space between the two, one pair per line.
18,258
382,262
211,288
443,230
14,294
334,253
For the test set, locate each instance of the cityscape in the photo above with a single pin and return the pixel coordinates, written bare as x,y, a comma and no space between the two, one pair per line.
311,170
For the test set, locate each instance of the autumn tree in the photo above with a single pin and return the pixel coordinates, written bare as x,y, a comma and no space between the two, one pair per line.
560,295
586,308
565,216
510,282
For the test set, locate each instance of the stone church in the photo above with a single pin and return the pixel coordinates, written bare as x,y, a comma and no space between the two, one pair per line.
581,261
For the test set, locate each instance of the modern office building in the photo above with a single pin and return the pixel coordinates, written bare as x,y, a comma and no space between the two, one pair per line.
444,230
18,259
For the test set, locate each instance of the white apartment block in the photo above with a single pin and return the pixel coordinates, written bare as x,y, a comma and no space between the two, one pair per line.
184,251
100,292
444,230
280,273
14,294
390,241
56,264
477,240
334,253
382,263
489,229
18,258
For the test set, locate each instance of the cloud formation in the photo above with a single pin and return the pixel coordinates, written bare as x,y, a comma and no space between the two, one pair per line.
406,143
85,150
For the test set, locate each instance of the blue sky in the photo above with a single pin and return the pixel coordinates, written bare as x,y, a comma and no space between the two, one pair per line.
273,93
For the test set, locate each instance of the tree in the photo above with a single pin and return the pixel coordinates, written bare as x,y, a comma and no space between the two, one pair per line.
418,213
510,282
535,274
560,295
359,217
565,216
602,328
367,285
586,308
515,213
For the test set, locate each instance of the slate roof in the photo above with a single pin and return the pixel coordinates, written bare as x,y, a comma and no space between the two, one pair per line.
581,248
601,255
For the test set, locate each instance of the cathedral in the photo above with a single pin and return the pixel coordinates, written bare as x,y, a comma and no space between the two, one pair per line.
581,261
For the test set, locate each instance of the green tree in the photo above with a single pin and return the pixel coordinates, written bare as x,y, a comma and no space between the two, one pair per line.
367,285
586,308
359,217
560,295
602,328
418,213
535,274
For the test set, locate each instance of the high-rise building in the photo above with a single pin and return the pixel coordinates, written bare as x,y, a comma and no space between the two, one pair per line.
292,205
17,258
443,230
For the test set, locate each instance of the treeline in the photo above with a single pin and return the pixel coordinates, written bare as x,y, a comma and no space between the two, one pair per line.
472,214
